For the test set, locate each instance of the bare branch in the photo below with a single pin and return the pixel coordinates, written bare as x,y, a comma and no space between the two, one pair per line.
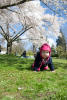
49,7
13,4
29,39
2,29
18,35
57,4
3,34
12,10
12,28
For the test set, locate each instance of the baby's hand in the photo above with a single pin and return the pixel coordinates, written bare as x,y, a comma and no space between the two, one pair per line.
53,71
34,71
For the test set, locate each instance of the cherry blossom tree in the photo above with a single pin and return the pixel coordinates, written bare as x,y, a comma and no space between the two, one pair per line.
54,5
7,23
37,34
9,18
31,16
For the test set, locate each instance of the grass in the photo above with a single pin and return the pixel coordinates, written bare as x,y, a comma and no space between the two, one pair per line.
19,82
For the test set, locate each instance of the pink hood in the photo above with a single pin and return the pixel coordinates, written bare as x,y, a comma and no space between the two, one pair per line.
45,47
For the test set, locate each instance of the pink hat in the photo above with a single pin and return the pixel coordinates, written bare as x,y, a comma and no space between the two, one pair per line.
45,47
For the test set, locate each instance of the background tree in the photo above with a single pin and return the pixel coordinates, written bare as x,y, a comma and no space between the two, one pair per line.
9,38
8,20
53,51
60,52
18,47
61,46
2,42
61,41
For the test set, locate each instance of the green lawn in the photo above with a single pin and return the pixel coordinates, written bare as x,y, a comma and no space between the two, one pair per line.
19,82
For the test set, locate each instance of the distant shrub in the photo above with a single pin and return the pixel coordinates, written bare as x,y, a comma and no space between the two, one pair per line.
29,53
61,53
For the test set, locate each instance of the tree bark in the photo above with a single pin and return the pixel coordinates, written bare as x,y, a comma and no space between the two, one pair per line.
9,47
0,48
8,3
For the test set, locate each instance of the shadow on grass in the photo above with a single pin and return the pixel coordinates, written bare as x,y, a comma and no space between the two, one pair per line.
23,63
21,68
63,65
56,65
13,60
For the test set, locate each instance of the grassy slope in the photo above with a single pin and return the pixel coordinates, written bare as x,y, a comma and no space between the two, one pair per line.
18,82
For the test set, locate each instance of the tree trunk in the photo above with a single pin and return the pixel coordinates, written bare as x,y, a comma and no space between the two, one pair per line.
0,48
66,47
34,50
9,47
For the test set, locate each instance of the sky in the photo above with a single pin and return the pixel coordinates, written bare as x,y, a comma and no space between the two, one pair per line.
64,29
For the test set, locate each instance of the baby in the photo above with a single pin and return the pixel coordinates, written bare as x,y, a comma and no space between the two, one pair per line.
43,59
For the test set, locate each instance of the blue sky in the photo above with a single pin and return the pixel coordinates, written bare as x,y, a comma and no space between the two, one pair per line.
64,29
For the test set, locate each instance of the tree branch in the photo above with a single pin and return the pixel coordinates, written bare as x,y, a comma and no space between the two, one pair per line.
18,35
29,39
12,10
14,4
49,7
12,28
3,34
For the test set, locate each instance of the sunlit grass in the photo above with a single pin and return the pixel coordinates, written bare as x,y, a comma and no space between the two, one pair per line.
19,82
